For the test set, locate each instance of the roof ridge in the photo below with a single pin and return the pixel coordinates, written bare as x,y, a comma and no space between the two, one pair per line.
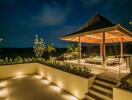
97,19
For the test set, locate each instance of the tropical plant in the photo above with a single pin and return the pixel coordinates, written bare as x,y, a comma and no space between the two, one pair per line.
50,49
38,46
18,60
25,60
2,61
10,60
130,22
6,60
72,48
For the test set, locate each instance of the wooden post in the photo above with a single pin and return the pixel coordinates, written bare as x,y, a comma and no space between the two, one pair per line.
103,47
121,51
121,48
79,57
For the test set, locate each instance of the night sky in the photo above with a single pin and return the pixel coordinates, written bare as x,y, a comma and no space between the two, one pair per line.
20,20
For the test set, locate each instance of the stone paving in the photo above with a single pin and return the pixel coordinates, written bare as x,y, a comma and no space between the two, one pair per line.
32,87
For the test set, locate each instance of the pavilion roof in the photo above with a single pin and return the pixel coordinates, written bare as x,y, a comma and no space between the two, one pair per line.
91,32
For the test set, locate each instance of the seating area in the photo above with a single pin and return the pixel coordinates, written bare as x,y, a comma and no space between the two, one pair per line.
99,61
71,56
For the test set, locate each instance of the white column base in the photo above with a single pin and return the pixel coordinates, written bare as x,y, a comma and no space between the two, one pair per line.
104,64
121,60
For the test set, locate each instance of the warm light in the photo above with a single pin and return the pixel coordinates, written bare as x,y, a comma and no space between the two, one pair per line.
69,97
37,76
49,78
41,73
19,74
3,84
60,84
4,92
76,92
45,82
56,88
92,36
7,98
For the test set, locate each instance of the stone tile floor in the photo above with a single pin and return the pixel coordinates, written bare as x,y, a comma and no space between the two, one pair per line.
31,87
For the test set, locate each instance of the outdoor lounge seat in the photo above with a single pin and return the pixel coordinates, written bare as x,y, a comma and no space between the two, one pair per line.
97,60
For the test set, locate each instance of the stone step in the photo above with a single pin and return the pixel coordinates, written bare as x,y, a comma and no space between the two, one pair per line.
106,80
104,83
100,94
90,96
102,89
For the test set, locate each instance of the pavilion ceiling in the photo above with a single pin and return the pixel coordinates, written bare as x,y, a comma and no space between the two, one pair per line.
112,35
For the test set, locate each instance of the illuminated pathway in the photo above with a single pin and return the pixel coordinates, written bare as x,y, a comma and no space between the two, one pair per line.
31,88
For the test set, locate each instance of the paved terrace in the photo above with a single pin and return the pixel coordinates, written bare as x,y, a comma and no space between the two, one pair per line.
32,87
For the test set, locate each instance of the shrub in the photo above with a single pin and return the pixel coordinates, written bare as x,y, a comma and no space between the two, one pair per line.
10,61
81,71
74,69
2,61
18,59
6,60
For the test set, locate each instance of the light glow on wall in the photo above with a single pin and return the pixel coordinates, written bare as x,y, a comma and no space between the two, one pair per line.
76,92
45,82
7,98
49,78
37,76
4,92
19,74
3,83
42,74
56,88
60,84
69,97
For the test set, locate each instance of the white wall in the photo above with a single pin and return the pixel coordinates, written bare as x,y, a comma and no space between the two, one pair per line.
7,71
119,94
73,84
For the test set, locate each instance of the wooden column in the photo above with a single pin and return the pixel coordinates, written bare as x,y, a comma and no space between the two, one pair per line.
121,48
103,47
79,51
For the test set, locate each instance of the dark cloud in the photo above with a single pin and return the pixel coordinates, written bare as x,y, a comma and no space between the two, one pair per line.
87,3
52,14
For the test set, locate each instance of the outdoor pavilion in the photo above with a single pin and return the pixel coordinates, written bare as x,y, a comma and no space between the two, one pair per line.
99,30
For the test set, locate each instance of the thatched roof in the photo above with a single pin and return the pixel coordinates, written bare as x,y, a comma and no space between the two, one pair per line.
91,31
96,22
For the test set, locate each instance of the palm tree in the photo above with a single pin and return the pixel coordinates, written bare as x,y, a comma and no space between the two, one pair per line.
50,49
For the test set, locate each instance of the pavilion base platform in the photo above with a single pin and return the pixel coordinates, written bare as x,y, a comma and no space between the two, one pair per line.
112,72
121,60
